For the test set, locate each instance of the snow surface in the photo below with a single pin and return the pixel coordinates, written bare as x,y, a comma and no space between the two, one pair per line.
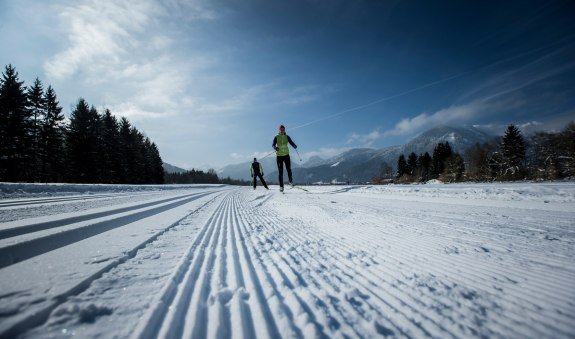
435,260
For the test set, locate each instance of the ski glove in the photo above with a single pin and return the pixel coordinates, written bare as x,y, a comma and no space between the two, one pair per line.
277,148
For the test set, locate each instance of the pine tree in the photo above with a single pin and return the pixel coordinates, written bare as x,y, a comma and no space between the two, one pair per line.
14,127
441,153
411,164
157,167
52,139
401,167
83,144
454,168
111,149
513,150
37,111
424,166
127,152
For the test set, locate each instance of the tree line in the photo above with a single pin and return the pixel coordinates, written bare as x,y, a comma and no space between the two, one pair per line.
37,144
201,177
543,156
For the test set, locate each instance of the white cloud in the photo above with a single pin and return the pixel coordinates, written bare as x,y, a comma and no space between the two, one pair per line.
101,35
452,115
325,152
366,140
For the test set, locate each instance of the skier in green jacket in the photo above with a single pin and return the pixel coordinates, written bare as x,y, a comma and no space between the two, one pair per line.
257,171
280,145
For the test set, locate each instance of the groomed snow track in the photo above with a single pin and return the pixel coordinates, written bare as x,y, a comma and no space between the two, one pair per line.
320,264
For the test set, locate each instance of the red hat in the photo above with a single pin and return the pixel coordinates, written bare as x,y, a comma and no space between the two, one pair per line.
282,128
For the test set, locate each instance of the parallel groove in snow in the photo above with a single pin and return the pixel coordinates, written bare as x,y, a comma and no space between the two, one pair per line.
40,315
302,266
11,254
555,295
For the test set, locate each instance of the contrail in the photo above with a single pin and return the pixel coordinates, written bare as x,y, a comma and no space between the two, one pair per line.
381,100
434,83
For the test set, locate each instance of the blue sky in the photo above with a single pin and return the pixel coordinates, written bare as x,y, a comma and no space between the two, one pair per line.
211,81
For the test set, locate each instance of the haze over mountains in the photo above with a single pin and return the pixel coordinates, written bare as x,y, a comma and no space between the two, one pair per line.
362,164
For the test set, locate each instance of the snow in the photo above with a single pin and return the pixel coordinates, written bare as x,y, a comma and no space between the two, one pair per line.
335,165
434,260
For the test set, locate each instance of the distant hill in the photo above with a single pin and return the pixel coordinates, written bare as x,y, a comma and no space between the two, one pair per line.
362,164
172,169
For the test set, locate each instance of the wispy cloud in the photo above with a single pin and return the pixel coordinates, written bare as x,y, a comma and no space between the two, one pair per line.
452,115
101,34
325,152
365,140
122,51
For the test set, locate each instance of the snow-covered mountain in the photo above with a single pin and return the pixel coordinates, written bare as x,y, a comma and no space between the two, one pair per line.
242,170
362,164
460,139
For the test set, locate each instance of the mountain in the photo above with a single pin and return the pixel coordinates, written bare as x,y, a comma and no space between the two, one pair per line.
314,161
172,169
460,139
242,170
362,164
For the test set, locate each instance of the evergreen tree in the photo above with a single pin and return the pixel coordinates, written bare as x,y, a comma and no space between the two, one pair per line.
111,149
441,153
83,144
513,150
566,145
411,164
37,111
156,167
424,165
454,168
14,127
127,151
52,139
401,167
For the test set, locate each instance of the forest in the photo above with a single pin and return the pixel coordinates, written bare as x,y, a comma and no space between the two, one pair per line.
541,156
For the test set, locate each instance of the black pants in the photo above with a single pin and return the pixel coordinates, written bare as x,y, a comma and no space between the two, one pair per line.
259,175
281,160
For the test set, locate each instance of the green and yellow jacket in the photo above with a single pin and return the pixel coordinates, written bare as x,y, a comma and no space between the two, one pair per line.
281,142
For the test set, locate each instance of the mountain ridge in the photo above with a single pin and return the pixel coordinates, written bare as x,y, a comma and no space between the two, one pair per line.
362,164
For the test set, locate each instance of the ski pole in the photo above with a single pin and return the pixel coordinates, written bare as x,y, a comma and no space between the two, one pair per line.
267,155
298,154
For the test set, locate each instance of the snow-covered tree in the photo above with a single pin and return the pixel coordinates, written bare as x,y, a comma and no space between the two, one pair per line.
454,168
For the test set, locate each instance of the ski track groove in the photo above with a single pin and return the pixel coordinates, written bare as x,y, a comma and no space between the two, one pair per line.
285,278
239,305
345,277
37,201
41,315
511,269
261,308
505,272
30,248
40,226
472,272
464,266
282,308
251,272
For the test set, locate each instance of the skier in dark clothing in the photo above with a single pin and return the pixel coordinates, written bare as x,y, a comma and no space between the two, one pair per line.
280,145
257,171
